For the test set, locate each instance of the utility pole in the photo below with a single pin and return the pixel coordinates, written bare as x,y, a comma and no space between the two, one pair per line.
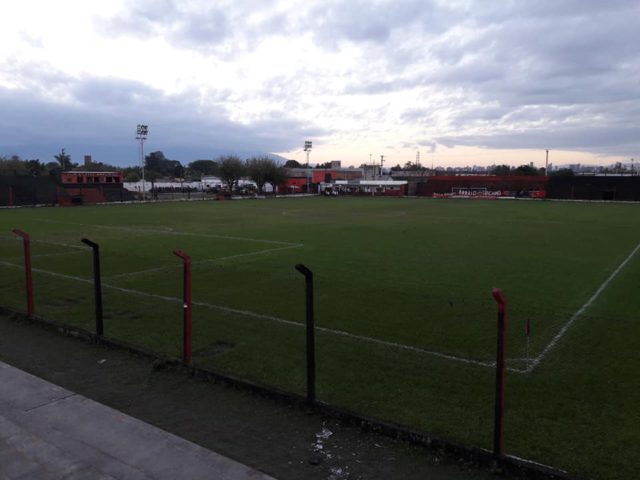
546,164
381,164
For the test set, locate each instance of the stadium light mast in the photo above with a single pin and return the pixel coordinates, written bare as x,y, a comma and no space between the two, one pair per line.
141,135
307,148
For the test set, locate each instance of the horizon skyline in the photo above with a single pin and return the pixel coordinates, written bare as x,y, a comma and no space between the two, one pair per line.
424,162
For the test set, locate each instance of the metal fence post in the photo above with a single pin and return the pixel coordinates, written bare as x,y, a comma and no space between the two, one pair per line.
186,333
498,431
97,285
311,349
26,242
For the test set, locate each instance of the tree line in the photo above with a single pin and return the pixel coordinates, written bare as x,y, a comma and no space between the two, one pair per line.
14,165
230,169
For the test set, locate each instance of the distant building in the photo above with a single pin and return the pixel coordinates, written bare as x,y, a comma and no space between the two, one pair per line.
372,172
300,180
78,188
94,178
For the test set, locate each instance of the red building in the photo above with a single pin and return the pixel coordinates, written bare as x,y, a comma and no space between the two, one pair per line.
78,188
93,178
299,178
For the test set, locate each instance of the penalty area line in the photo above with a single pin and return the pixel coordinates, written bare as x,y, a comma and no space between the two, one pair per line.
47,242
42,255
176,232
536,360
201,262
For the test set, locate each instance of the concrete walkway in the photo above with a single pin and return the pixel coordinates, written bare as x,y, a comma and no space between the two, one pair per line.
47,432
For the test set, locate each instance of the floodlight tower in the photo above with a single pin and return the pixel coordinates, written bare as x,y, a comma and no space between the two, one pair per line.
307,148
141,136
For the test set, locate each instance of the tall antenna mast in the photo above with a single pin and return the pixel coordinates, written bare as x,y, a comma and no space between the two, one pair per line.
546,164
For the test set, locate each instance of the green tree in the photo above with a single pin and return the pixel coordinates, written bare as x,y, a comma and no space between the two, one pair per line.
132,176
231,170
35,167
500,170
264,170
64,160
276,176
98,167
562,172
292,164
12,165
178,171
413,167
526,170
159,164
151,176
203,167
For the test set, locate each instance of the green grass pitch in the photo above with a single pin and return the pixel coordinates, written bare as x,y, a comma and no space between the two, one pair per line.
406,321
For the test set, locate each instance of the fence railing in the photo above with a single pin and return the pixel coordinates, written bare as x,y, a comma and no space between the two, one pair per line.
187,305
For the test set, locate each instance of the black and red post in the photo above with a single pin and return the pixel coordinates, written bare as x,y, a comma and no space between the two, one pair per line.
97,285
311,342
186,338
26,242
498,431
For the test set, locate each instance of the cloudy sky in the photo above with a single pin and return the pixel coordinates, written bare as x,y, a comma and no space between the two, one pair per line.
463,82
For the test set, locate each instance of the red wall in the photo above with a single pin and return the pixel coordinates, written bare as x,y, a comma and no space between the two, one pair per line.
86,195
320,174
445,184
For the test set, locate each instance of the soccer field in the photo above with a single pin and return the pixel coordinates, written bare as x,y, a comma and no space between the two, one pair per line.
406,320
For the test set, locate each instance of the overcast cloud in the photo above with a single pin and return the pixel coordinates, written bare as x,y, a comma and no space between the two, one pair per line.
357,77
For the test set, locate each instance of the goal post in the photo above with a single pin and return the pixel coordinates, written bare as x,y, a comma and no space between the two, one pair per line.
469,192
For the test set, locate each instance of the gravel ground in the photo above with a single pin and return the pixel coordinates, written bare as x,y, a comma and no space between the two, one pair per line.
281,440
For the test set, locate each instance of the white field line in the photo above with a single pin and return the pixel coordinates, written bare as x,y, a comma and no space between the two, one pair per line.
174,232
533,362
468,361
47,272
536,360
60,244
201,262
41,255
48,242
